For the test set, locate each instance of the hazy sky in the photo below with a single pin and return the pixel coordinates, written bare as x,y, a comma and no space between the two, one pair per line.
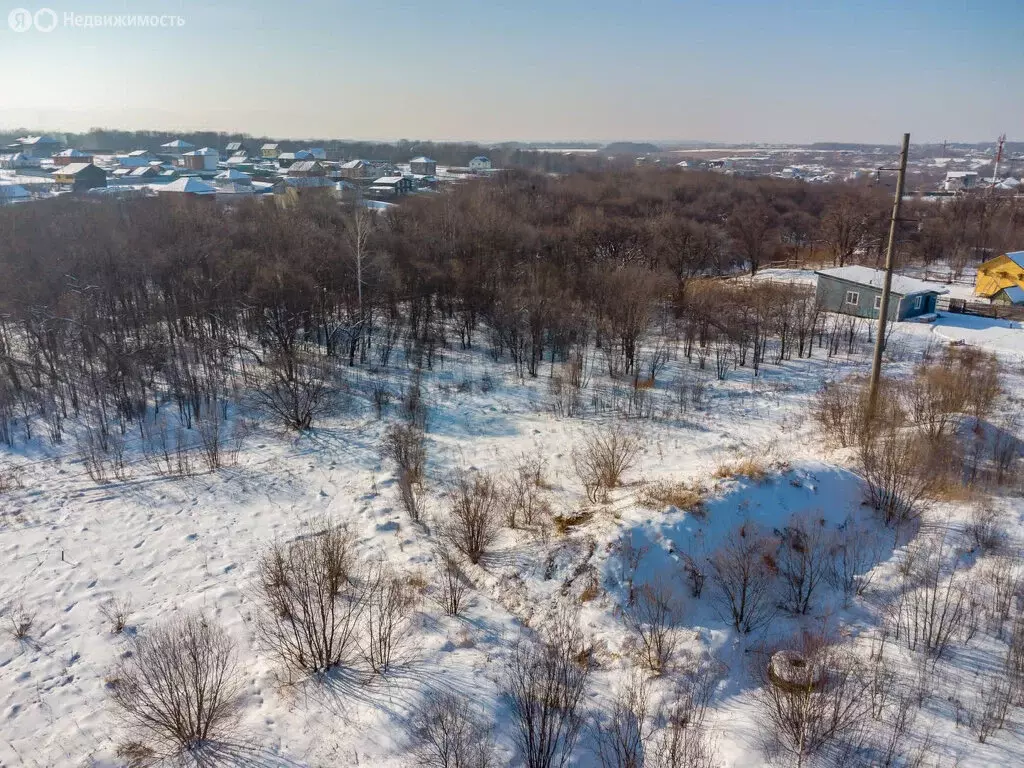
489,70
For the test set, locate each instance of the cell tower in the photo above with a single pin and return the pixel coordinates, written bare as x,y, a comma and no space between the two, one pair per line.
999,157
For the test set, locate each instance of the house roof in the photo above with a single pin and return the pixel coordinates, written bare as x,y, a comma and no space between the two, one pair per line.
233,146
73,169
304,165
354,164
138,153
1014,293
71,153
422,159
28,141
875,278
12,191
269,146
480,158
145,170
188,184
177,144
384,181
232,175
1017,257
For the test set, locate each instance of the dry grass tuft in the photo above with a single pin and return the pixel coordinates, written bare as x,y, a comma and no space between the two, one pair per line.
750,467
663,494
564,523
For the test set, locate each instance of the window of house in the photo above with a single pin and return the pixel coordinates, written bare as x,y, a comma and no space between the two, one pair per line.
853,297
917,302
878,302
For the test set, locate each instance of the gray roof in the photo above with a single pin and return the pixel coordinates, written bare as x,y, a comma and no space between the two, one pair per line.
72,169
304,165
874,278
422,159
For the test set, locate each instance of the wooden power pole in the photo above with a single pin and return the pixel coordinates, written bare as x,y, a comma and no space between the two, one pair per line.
883,310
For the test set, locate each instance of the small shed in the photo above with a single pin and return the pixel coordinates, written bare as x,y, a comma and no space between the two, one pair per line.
81,176
857,290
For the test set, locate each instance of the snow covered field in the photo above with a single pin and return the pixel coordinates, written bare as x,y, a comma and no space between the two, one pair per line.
69,544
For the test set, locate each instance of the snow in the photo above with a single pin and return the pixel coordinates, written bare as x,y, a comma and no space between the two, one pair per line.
68,544
902,285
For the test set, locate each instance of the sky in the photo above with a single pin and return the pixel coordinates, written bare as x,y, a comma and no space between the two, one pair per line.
531,70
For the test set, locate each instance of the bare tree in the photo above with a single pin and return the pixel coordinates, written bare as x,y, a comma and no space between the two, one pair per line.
313,600
293,390
744,576
474,523
405,445
448,732
177,692
620,739
545,681
895,467
653,618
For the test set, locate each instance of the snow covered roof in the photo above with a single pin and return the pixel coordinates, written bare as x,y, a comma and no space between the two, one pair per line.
269,146
1015,294
387,180
1017,257
354,164
231,175
178,144
960,174
29,141
189,185
72,169
422,159
304,165
479,159
875,278
71,153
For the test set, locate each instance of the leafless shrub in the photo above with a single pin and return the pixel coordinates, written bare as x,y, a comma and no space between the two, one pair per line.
116,611
620,739
448,732
680,745
545,681
1006,449
840,410
695,575
210,430
803,561
989,704
10,477
455,586
800,721
653,618
895,467
389,606
405,445
414,405
313,600
177,692
410,496
743,572
932,606
21,619
986,530
293,390
1015,659
855,551
603,458
1001,575
473,524
381,392
523,493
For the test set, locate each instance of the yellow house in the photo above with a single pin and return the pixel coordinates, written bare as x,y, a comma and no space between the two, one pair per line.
1002,279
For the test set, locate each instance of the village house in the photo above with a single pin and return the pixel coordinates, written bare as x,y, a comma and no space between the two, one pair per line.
270,151
13,193
235,148
37,146
479,163
358,170
1001,280
286,159
857,290
232,176
69,156
188,186
80,176
423,166
306,168
177,147
391,186
204,159
317,153
960,181
16,160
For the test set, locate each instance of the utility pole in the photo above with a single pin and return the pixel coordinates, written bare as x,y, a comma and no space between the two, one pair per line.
883,310
995,169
